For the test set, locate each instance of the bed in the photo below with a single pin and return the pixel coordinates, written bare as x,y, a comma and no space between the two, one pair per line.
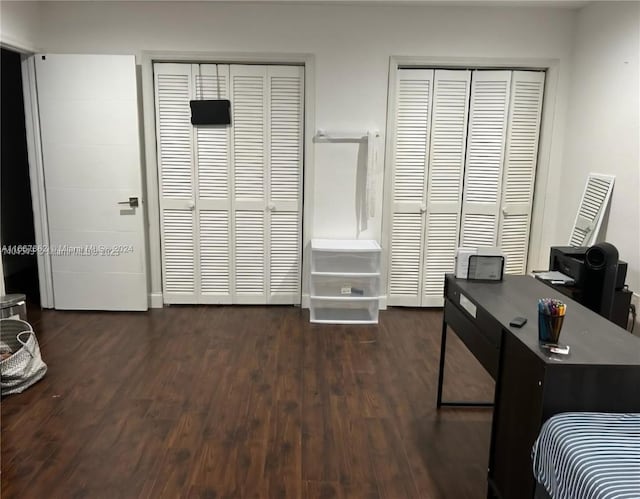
588,455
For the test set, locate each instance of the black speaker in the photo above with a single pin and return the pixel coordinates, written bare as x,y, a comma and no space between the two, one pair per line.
601,268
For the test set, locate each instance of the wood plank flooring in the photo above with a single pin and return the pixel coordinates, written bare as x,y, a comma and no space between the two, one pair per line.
233,402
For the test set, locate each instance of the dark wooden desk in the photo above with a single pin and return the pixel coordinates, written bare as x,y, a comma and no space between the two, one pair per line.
621,300
602,372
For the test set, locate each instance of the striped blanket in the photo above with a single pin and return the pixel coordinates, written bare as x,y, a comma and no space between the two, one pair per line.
589,455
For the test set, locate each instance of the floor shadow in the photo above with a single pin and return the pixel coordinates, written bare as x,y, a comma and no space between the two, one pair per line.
444,438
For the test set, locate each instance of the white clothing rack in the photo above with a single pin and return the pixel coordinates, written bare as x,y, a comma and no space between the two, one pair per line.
342,136
369,138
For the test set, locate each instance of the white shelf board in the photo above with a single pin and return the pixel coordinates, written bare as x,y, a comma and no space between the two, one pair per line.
344,298
346,245
346,274
343,316
333,321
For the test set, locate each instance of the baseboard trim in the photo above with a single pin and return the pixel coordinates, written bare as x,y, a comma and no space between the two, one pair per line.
383,302
155,300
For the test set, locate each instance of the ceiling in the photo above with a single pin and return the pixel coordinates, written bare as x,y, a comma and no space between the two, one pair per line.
562,4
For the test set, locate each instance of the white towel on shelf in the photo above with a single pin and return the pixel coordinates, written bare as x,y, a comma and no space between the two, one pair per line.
372,160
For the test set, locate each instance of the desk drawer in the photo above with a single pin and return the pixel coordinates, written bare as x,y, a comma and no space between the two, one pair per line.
488,325
486,351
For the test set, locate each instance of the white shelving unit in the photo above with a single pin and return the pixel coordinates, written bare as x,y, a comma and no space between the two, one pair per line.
345,281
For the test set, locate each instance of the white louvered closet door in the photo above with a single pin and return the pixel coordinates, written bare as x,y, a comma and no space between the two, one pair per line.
231,196
445,177
488,112
523,131
593,204
249,187
213,191
285,89
414,90
173,90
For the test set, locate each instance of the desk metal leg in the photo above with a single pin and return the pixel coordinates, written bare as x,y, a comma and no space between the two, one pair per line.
443,352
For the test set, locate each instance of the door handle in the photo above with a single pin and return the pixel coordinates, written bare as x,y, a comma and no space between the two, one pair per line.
191,205
133,202
271,206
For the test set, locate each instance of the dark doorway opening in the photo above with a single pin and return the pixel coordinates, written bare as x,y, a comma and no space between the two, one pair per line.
16,212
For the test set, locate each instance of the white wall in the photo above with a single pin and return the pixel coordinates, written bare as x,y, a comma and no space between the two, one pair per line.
352,45
603,124
19,23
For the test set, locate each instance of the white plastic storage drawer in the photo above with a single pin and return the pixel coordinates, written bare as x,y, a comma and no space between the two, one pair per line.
345,311
345,286
347,262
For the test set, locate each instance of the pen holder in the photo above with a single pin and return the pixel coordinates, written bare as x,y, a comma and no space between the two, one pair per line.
549,327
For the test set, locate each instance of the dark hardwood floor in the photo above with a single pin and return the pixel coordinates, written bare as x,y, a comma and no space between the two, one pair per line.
244,402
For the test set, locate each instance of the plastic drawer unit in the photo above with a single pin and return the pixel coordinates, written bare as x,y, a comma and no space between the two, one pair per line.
345,281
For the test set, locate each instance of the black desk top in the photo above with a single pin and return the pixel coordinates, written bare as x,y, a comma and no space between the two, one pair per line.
592,338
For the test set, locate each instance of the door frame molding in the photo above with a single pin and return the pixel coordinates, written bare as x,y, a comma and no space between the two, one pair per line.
539,213
36,178
36,168
150,160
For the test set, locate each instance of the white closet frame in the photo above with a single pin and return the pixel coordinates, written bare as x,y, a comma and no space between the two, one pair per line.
540,213
146,61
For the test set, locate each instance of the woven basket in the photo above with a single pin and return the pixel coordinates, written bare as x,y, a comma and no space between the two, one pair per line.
25,367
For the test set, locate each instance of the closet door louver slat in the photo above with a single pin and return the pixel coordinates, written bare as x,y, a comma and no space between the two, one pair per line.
413,107
445,176
485,153
284,258
406,250
412,135
285,101
176,176
250,260
173,90
215,252
593,204
249,113
179,258
523,131
212,142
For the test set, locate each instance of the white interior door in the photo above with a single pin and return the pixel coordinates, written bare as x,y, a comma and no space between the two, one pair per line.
213,191
249,162
284,171
267,136
231,195
463,173
409,189
91,154
485,157
595,198
174,89
445,176
521,157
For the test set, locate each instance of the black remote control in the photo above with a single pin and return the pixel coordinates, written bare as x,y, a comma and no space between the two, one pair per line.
518,321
